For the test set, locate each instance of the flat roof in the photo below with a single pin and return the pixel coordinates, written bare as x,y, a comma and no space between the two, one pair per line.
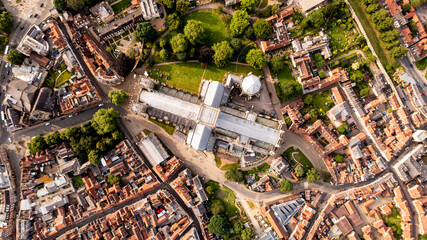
170,104
309,4
248,128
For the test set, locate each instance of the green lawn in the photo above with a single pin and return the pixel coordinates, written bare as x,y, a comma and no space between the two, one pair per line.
338,38
422,64
230,166
321,99
63,78
285,75
394,221
118,7
422,237
226,196
372,33
215,28
169,128
299,157
187,76
261,168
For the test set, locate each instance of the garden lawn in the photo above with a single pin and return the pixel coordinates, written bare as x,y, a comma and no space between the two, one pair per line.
118,7
63,78
230,166
218,74
167,127
422,64
338,39
372,33
214,26
226,196
299,157
394,221
285,75
185,76
261,168
320,99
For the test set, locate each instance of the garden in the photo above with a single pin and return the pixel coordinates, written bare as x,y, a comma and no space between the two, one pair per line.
394,221
120,6
226,196
317,104
56,79
169,128
294,154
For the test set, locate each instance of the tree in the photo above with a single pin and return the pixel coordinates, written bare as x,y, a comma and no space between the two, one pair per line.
368,2
163,43
182,7
318,57
234,175
290,90
164,54
112,179
308,99
385,24
218,225
117,135
316,18
313,113
209,190
168,3
412,26
250,33
239,22
256,58
322,74
118,97
181,56
132,53
320,64
105,120
82,146
223,53
277,64
248,5
238,227
313,175
15,57
87,129
262,29
338,158
379,15
36,144
69,133
341,129
336,10
173,21
179,43
60,5
5,21
299,171
94,157
53,138
217,207
398,52
372,8
246,234
390,36
286,186
144,32
236,44
76,4
104,144
195,32
206,54
364,92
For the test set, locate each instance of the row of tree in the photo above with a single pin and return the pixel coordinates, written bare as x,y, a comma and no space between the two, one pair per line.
90,140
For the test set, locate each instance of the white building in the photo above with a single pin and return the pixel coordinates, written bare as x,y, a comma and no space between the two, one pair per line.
34,41
149,9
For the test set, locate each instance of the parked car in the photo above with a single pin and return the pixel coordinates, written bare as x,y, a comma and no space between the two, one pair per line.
41,5
47,124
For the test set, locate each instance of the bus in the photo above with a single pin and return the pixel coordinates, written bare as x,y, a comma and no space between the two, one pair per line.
6,50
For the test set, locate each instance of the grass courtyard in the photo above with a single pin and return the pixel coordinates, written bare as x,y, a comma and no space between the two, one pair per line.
322,101
226,196
118,7
394,221
338,38
188,75
299,157
215,28
371,32
169,128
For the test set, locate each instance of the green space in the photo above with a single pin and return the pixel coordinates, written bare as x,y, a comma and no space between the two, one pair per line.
65,76
188,75
212,22
360,86
322,101
394,221
422,64
371,32
218,161
285,75
422,237
77,181
226,196
230,166
56,78
251,204
122,5
169,128
299,157
338,38
261,168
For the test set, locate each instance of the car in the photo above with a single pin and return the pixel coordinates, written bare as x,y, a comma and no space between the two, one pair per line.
7,72
10,139
70,116
270,94
47,124
424,93
30,16
100,105
35,16
22,27
62,118
411,66
75,114
41,5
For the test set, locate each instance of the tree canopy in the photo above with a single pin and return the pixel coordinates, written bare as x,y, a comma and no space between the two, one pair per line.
118,97
112,179
168,3
195,32
248,5
290,90
60,5
105,120
182,7
398,52
94,157
299,171
277,64
239,22
236,44
286,186
390,36
217,207
36,144
316,18
338,158
256,58
53,138
313,175
262,29
179,43
15,57
223,53
246,234
144,32
206,54
5,21
218,225
173,21
234,175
